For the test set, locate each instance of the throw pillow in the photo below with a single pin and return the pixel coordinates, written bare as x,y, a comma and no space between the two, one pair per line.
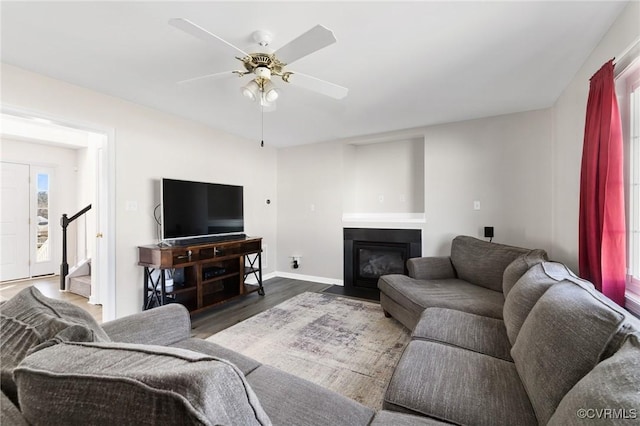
30,321
563,338
125,383
526,293
609,394
41,312
518,267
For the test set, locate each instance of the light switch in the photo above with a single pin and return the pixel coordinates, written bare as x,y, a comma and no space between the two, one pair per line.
476,205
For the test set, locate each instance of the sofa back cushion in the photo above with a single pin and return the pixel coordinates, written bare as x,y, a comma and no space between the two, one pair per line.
30,320
563,338
610,391
516,269
481,262
526,292
124,383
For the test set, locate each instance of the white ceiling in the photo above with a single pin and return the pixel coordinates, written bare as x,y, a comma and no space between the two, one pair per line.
406,64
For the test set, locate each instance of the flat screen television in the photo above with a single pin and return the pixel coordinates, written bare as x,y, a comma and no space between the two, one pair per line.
199,209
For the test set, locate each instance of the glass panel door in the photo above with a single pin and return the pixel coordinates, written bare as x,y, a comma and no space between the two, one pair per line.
43,253
42,222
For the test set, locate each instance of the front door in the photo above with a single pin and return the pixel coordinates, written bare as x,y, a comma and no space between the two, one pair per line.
26,235
14,221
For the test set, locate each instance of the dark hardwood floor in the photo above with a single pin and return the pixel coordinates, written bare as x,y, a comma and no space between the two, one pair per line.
277,290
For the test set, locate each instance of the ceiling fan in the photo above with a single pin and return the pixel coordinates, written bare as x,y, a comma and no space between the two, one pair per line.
265,64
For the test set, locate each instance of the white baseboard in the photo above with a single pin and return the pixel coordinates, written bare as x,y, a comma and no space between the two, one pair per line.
252,280
301,277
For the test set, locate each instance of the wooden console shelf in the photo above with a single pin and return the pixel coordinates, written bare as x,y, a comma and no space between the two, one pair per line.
204,274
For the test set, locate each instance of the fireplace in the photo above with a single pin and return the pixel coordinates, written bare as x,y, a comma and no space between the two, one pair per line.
370,253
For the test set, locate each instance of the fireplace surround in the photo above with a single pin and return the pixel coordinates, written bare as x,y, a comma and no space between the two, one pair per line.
371,252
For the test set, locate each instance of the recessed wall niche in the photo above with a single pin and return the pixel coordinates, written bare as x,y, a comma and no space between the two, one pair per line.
385,177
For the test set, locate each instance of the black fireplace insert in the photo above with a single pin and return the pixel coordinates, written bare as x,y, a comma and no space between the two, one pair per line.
370,253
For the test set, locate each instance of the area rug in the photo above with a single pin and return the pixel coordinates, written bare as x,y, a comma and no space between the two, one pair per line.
346,345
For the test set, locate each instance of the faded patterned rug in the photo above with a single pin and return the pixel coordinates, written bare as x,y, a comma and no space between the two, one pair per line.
342,344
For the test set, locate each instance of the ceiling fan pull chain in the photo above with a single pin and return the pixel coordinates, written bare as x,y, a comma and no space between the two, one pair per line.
261,124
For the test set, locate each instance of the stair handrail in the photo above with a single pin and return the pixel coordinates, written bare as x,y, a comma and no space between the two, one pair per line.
64,222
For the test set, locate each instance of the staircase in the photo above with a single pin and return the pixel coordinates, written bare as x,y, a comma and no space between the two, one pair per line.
78,281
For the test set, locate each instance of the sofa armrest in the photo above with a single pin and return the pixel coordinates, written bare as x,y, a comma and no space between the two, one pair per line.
163,326
431,268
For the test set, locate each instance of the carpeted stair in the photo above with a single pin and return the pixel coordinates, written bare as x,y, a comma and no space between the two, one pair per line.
78,280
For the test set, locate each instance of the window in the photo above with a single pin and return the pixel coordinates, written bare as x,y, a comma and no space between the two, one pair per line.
628,90
43,251
634,186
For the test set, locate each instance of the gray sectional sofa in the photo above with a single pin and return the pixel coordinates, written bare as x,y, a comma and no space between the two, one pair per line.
500,336
540,351
59,367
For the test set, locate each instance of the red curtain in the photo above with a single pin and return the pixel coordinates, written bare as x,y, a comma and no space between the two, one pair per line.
602,246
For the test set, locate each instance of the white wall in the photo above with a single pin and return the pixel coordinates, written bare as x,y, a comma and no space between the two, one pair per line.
149,145
310,200
85,190
63,184
504,162
389,177
569,118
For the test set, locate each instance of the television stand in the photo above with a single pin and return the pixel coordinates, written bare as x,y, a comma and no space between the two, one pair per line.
201,275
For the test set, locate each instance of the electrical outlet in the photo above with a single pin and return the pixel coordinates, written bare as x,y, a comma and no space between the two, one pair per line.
476,205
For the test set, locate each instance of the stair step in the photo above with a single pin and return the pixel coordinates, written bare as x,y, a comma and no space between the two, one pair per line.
80,285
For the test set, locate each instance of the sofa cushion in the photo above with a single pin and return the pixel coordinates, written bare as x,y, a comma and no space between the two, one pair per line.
30,320
124,383
244,363
290,400
564,336
150,327
481,262
417,295
526,292
458,386
464,330
610,392
431,268
519,266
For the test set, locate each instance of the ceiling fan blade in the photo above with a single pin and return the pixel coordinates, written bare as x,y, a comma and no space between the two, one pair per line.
317,85
214,76
314,39
204,35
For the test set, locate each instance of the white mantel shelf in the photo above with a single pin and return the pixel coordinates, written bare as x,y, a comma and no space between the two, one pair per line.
384,217
383,220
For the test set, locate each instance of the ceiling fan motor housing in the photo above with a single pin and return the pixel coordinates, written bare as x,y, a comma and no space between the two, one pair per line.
262,63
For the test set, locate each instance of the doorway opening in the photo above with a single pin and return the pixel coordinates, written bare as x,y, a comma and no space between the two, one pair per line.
69,166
